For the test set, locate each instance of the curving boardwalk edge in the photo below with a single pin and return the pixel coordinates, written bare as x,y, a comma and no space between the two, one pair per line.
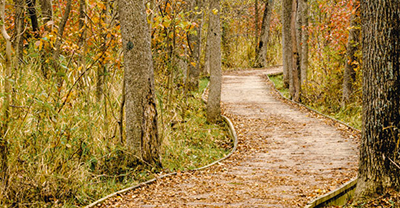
342,190
233,135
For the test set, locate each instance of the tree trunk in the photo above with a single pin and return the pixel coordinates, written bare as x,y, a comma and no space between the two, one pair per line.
295,90
206,69
18,42
257,29
102,69
287,41
304,41
47,14
353,45
225,39
261,54
208,48
5,111
194,43
32,14
214,96
379,148
58,43
141,114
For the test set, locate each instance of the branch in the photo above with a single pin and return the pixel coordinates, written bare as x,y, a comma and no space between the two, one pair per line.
81,75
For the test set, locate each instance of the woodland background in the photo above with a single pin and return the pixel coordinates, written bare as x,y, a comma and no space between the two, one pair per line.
65,132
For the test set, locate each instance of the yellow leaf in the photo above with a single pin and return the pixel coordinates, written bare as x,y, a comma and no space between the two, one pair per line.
215,11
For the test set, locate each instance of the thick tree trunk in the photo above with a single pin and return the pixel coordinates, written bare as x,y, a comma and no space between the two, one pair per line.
295,89
47,14
261,54
304,41
141,114
353,45
214,96
287,42
194,43
379,148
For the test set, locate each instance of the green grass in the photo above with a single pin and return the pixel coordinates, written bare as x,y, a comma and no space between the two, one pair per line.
192,142
278,81
350,114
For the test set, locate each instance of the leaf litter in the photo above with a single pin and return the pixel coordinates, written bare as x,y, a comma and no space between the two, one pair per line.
286,155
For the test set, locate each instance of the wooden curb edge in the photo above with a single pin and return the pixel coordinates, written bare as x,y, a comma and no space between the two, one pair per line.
232,134
346,187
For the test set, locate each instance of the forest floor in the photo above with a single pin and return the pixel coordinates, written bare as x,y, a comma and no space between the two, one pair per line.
286,155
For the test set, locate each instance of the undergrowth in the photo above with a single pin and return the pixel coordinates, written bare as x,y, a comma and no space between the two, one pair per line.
67,151
350,113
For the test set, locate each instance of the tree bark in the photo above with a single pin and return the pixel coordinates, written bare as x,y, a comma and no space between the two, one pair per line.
256,22
194,43
225,39
304,41
214,96
47,14
379,148
287,42
18,43
261,54
295,83
208,48
102,69
58,43
141,114
32,15
353,45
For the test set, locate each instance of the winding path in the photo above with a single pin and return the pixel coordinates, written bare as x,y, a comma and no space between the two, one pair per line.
286,156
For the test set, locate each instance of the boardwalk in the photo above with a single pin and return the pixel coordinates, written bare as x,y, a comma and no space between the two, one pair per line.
285,156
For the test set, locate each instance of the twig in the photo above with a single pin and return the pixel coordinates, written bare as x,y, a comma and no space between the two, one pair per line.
394,163
81,75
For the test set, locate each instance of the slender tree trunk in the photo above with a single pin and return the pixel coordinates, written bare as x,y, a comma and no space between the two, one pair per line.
214,96
58,43
5,111
18,42
141,114
102,69
194,43
32,15
304,41
47,14
295,91
208,48
261,55
82,42
287,43
379,148
353,45
256,24
225,39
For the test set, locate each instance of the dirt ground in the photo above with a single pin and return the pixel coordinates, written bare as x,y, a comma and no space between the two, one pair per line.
286,155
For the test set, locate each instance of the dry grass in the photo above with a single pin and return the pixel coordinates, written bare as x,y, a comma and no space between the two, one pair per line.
68,155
